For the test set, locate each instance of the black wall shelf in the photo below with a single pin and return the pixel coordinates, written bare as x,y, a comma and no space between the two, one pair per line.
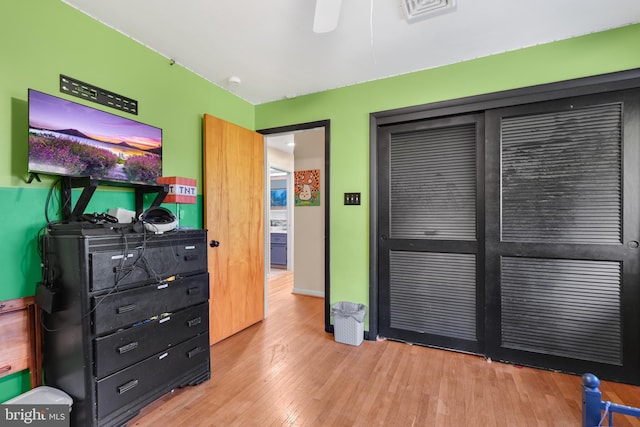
90,185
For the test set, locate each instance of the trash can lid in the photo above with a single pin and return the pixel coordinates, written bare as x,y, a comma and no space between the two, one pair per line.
43,395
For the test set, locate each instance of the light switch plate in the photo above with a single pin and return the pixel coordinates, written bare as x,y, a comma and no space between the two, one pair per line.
351,198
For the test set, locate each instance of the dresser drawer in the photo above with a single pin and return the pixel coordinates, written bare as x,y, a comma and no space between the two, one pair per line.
150,375
145,263
126,347
123,309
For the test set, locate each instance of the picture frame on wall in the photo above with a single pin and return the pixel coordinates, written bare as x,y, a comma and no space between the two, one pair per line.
307,187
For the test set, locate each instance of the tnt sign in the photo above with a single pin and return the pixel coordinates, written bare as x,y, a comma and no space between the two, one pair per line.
181,190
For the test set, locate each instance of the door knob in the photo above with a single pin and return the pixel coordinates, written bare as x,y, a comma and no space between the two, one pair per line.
633,244
214,243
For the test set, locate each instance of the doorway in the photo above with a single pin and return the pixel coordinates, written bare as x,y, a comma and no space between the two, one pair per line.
307,227
279,215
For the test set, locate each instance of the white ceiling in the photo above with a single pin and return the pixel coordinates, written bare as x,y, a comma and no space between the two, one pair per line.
283,142
271,47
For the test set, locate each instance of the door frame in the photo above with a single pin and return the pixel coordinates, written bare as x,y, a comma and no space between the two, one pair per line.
545,92
326,124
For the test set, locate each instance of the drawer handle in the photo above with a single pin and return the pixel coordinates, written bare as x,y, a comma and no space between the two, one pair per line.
126,308
192,291
193,322
194,352
128,386
5,369
128,347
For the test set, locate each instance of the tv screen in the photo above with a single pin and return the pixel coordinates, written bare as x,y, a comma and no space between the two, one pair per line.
71,139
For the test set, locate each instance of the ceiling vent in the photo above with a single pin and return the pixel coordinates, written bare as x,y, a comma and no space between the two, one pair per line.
420,9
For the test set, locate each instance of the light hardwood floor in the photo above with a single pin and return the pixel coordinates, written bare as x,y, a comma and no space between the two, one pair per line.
286,371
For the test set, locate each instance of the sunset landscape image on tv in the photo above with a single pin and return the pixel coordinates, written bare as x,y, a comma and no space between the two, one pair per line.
70,139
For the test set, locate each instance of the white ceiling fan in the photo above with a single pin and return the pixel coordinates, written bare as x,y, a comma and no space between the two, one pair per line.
326,16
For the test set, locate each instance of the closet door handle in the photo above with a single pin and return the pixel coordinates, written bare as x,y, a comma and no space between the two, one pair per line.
214,243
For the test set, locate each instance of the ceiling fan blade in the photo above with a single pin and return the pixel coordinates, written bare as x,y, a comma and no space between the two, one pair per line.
326,16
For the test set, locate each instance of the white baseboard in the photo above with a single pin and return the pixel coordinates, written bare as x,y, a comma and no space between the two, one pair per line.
308,292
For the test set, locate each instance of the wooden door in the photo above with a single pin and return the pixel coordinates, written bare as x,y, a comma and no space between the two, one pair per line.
234,217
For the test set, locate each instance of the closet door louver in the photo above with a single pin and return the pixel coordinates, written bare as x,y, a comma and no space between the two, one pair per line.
433,184
567,308
434,293
561,176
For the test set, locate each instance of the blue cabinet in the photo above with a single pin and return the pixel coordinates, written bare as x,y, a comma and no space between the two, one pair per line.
279,249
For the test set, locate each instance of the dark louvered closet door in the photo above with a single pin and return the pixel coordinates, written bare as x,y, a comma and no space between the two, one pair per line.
562,235
429,231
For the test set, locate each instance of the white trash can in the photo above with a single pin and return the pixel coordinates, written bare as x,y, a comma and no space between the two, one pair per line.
348,322
43,395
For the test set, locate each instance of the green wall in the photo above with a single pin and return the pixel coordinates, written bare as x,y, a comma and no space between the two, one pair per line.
41,39
349,109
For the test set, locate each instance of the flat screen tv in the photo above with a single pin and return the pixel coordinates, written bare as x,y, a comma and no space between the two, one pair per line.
71,139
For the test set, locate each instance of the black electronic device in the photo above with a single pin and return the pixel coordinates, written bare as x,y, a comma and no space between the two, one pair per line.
157,220
99,218
74,140
46,298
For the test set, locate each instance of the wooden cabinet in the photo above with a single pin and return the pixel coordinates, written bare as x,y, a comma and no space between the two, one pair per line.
20,338
132,321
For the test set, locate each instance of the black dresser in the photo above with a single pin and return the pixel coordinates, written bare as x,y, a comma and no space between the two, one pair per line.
130,318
